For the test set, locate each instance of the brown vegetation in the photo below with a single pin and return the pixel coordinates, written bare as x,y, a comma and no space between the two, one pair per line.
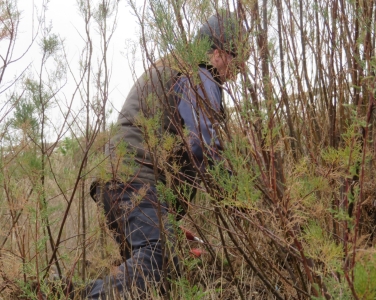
297,218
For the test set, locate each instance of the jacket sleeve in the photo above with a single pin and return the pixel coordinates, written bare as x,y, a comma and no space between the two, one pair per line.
194,106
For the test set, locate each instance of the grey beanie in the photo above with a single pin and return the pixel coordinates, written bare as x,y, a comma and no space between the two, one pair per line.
224,31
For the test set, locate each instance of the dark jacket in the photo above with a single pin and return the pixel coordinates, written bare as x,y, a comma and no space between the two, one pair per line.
160,104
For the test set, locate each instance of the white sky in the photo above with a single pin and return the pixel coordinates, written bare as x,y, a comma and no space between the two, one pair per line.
68,24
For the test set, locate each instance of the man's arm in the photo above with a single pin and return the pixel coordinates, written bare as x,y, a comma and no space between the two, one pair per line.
194,105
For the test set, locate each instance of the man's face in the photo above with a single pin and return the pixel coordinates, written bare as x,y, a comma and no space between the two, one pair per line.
225,64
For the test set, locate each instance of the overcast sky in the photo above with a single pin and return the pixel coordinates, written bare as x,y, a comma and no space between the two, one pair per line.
68,25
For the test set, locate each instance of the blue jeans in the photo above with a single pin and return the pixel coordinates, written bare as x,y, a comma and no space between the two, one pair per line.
140,223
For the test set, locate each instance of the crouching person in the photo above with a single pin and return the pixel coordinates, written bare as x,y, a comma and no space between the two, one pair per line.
166,137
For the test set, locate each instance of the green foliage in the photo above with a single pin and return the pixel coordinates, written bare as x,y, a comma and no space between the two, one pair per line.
321,247
335,288
28,290
9,14
298,153
187,291
50,44
69,146
191,54
364,274
166,195
116,165
24,117
166,21
236,178
30,163
237,188
150,125
343,160
365,277
308,187
103,12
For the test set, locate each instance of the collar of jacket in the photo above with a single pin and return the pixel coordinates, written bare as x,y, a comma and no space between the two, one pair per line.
212,70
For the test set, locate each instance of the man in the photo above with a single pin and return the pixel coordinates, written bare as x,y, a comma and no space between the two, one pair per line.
166,136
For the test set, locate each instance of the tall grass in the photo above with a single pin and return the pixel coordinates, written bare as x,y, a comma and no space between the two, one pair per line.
296,217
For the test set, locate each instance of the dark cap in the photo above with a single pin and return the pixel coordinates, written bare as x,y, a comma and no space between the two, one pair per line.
224,31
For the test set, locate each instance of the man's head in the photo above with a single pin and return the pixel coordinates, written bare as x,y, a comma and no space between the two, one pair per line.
227,36
224,63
